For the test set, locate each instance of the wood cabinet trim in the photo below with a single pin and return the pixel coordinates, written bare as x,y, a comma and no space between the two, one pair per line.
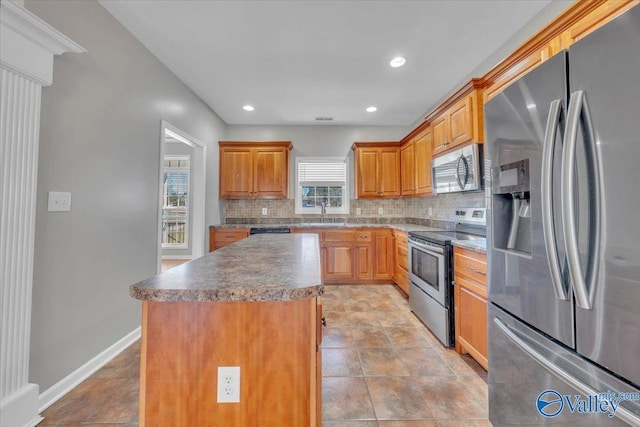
257,144
571,16
468,88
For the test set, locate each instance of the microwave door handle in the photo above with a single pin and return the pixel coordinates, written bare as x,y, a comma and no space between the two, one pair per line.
466,171
584,287
554,120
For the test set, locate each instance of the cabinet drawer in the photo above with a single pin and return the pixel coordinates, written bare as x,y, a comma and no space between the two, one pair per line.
339,236
363,236
471,265
402,257
230,235
402,279
480,289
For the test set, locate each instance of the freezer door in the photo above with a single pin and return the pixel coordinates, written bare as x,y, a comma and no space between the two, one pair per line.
533,381
520,279
605,76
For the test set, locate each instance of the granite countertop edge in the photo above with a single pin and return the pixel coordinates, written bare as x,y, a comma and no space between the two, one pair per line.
267,267
479,245
227,295
405,227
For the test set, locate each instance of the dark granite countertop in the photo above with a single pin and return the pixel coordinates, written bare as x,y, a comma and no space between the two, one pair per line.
406,227
264,267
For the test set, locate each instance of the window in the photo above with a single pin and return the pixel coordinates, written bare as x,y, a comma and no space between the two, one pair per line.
318,180
175,208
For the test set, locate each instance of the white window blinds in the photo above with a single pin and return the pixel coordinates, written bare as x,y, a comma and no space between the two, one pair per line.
323,172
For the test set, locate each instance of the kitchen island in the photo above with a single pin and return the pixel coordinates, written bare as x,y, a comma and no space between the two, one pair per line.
255,305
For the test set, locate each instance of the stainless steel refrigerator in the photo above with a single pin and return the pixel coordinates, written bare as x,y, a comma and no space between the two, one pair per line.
563,237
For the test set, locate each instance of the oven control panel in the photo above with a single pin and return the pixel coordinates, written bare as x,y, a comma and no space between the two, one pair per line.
471,215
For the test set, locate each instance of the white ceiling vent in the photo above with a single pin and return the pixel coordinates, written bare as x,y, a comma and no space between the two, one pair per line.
324,119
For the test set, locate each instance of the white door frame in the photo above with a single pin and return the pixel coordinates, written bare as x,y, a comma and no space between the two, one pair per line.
197,190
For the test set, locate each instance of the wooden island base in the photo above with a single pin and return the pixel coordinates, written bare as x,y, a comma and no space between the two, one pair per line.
275,344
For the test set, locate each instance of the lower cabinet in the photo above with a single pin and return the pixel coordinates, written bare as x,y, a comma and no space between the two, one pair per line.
401,260
351,255
364,257
219,237
337,255
470,273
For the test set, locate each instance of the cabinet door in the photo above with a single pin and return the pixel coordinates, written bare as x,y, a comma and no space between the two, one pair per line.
271,173
363,260
422,147
236,172
338,261
383,255
407,166
472,332
440,134
367,172
389,171
461,122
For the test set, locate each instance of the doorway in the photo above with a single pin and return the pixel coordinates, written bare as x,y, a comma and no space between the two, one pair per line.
181,204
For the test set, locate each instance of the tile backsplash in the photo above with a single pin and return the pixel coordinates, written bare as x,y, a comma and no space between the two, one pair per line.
436,208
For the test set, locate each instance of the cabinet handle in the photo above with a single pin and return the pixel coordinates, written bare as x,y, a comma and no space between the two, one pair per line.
473,270
324,321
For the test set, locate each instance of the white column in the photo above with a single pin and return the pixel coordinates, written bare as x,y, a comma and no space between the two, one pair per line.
28,45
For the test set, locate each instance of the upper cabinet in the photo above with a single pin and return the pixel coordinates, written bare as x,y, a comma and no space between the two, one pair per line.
459,119
377,169
415,162
254,170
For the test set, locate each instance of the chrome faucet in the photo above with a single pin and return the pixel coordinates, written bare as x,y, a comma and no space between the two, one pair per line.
323,210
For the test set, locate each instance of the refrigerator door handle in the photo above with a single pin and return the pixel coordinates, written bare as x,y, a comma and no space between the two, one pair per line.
583,286
520,340
555,120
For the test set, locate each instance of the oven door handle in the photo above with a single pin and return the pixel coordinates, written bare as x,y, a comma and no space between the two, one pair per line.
426,247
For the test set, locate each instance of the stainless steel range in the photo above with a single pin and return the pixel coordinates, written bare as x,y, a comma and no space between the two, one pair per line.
430,264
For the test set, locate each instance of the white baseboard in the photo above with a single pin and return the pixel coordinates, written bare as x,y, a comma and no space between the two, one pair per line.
65,385
21,408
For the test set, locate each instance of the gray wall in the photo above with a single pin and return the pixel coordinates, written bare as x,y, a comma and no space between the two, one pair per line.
100,140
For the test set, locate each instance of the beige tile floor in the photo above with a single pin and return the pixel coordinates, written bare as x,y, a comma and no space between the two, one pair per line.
381,368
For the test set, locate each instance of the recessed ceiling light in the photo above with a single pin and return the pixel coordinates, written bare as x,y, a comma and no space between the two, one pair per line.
372,109
248,108
397,62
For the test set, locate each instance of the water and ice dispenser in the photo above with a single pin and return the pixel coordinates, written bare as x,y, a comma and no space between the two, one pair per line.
512,207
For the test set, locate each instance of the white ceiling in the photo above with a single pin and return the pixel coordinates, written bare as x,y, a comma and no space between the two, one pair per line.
297,60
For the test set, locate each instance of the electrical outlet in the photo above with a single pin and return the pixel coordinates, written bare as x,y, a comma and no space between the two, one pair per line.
430,211
380,211
228,384
264,211
358,211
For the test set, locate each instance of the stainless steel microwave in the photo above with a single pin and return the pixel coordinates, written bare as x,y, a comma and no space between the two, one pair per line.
458,170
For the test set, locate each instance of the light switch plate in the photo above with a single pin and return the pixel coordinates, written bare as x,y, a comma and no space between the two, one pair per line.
264,211
380,211
59,201
358,211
